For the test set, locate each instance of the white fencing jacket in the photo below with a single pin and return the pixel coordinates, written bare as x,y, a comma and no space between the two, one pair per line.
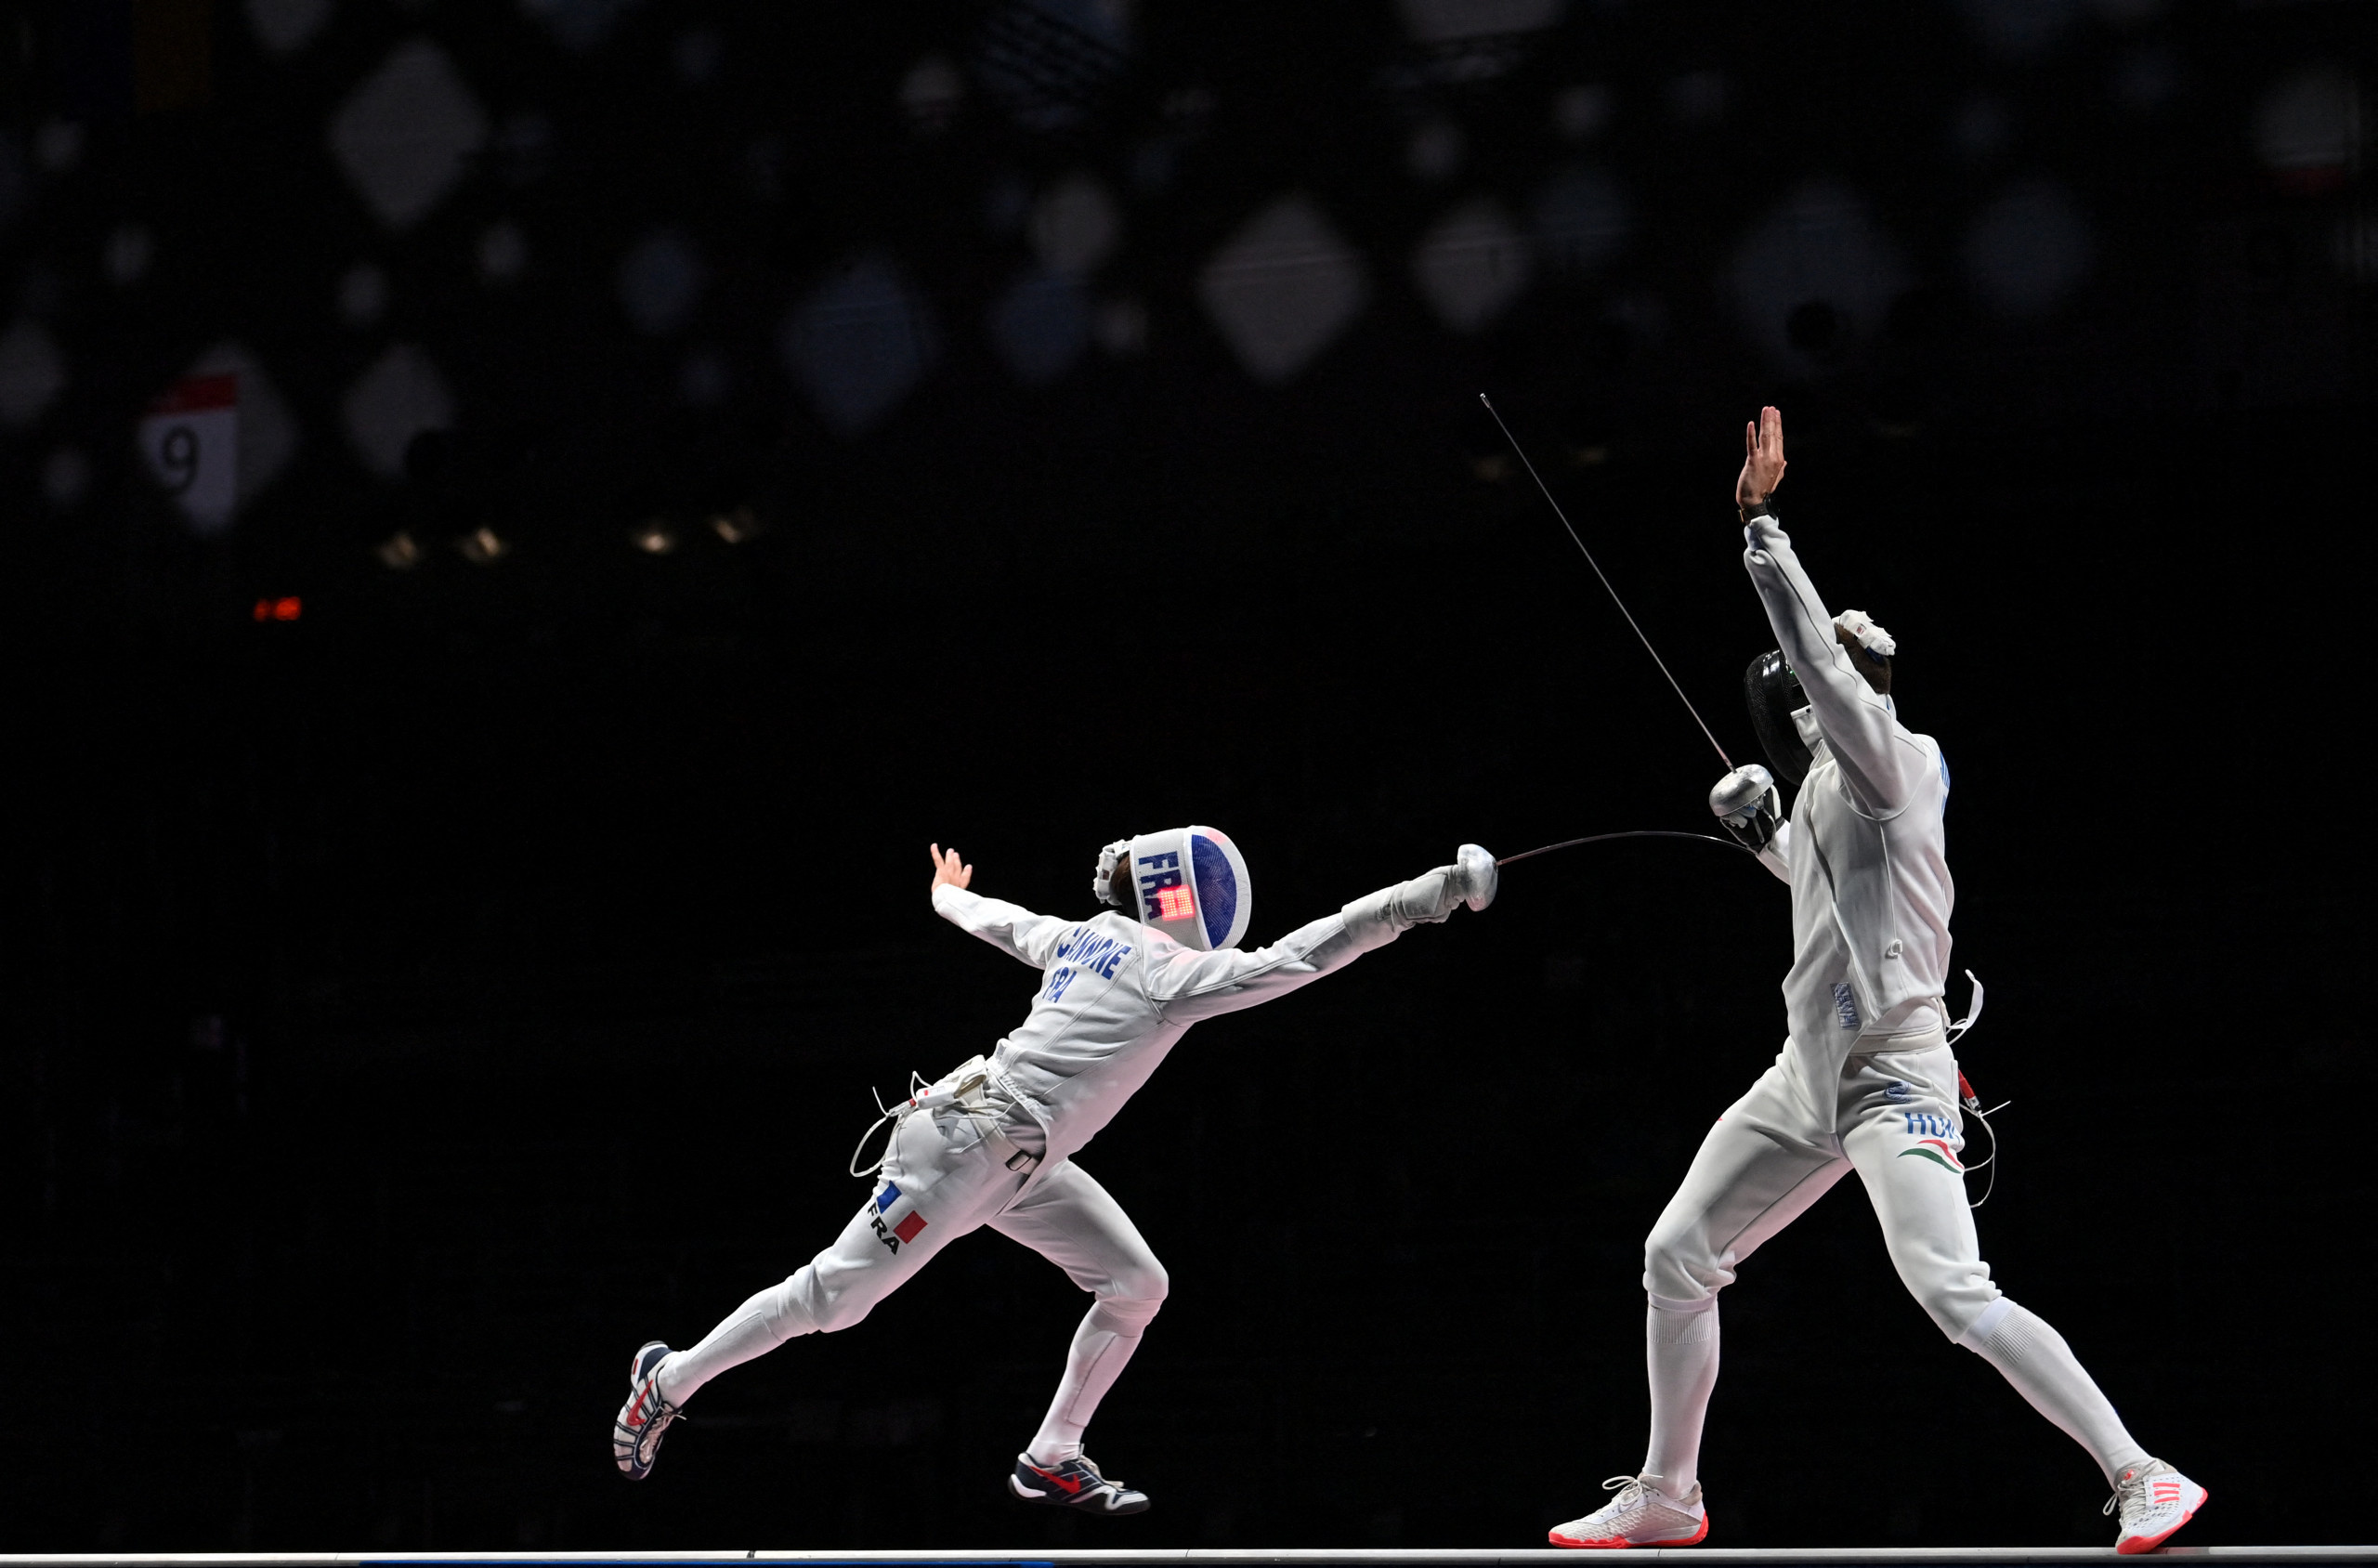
1865,850
1117,994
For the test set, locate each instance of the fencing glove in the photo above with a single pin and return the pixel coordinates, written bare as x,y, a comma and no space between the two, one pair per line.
1379,918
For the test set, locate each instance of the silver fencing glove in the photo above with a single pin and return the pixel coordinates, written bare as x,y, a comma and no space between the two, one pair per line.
1748,803
1377,919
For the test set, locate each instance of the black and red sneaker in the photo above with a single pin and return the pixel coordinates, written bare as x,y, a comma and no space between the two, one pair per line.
1073,1484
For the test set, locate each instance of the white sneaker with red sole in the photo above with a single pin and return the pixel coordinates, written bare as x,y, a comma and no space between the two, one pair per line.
2153,1500
1641,1515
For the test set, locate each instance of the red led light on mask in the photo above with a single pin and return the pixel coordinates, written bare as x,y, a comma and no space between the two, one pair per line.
1173,904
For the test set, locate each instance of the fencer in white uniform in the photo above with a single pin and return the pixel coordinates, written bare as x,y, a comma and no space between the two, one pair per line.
1866,1080
992,1142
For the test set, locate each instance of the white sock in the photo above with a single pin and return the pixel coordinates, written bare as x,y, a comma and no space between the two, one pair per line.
2035,1359
752,1330
1101,1345
1680,1353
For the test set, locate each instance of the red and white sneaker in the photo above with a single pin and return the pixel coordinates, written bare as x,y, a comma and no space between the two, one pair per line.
2155,1500
1641,1515
636,1433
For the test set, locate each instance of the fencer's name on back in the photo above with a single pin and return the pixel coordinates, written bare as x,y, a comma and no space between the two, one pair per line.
1087,949
1084,951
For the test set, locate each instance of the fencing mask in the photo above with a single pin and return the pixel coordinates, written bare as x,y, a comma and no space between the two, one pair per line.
1772,690
1773,694
1190,883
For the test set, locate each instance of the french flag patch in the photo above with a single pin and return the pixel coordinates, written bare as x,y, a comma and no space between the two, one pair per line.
905,1228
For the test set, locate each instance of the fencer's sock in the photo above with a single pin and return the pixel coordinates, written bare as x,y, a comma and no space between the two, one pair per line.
1680,1354
1103,1344
752,1330
2034,1356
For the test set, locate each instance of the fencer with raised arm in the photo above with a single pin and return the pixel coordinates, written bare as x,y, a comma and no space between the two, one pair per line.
1867,1080
991,1143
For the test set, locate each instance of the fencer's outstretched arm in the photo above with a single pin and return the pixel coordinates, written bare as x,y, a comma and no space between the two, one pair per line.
1192,985
1011,928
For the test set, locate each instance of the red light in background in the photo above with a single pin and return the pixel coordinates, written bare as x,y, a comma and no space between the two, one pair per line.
279,609
1173,904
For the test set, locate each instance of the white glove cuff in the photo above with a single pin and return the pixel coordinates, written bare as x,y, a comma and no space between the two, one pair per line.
1871,637
1377,919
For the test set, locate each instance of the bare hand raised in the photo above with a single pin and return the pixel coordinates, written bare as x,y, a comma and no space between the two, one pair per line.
947,870
1762,457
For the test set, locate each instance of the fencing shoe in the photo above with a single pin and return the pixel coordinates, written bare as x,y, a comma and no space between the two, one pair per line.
2153,1500
1073,1484
635,1436
1641,1515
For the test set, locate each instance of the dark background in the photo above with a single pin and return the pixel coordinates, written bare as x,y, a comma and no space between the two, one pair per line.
420,1003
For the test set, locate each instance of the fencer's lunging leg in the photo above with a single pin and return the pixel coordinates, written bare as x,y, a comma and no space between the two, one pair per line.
1077,1224
1921,1201
2034,1357
942,1174
752,1330
833,1290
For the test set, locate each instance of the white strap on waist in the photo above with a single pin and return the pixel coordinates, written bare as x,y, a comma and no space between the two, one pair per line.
967,1087
1973,1011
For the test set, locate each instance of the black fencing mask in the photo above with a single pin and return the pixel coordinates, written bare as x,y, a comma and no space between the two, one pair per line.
1773,694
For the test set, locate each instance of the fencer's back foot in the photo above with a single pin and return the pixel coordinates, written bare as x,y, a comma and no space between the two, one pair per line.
1076,1484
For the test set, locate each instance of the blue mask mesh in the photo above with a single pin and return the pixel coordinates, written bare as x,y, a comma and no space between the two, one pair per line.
1217,887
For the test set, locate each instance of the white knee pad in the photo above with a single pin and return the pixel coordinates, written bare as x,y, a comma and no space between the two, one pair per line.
1127,1319
1132,1298
1687,1307
1677,1271
1961,1301
1149,1284
1977,1334
808,1307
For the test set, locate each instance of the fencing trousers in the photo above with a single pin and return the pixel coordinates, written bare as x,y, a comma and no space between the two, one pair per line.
940,1180
1893,1118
